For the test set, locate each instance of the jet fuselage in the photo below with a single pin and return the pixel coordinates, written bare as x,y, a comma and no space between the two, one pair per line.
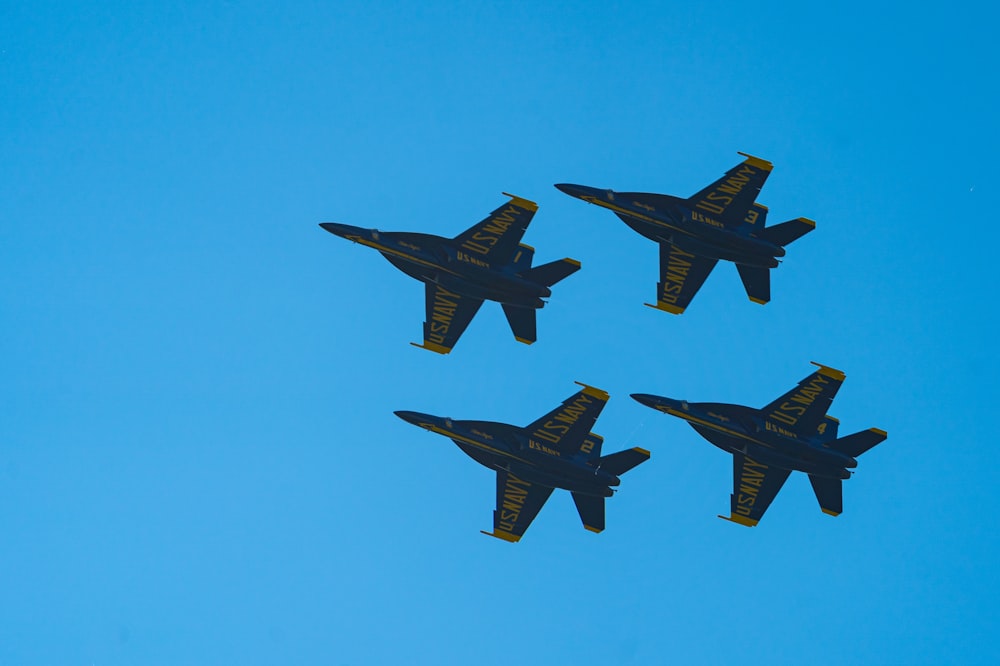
437,260
661,217
501,446
741,429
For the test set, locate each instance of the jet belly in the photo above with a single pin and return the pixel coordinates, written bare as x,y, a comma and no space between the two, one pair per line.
493,286
811,452
730,247
786,456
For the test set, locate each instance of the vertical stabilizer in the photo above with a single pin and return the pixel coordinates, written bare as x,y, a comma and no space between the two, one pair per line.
552,272
829,493
522,323
860,442
591,510
523,257
757,282
786,232
623,461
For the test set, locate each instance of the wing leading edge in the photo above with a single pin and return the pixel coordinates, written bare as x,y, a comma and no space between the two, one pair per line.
732,197
448,315
755,485
518,502
803,409
681,276
496,239
566,428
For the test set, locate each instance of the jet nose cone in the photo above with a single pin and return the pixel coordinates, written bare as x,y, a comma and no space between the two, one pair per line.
646,399
659,403
416,418
581,191
338,229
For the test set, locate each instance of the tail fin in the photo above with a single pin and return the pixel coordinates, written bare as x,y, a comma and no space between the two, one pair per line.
623,461
522,323
550,273
756,218
829,493
786,232
757,282
827,430
523,256
591,447
856,444
591,510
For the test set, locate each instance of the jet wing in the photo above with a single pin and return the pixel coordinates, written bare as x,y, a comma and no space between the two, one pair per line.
448,315
566,429
518,502
496,239
755,486
681,276
803,409
730,198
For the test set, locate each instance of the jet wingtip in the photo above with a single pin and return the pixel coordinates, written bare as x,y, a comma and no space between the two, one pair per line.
591,528
594,392
430,346
756,161
521,202
740,520
827,371
503,536
665,307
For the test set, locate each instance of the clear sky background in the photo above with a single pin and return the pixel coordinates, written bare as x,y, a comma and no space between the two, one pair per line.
198,458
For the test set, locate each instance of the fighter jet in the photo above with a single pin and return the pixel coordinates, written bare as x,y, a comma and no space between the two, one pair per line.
486,262
720,222
792,433
556,451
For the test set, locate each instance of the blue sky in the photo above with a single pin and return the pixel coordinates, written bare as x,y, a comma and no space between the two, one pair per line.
198,458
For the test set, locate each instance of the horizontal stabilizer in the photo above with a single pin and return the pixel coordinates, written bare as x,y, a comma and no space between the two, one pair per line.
591,510
786,232
829,493
552,272
856,444
522,323
623,461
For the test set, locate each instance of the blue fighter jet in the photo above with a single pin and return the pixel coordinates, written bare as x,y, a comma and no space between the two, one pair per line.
792,433
556,451
486,262
721,221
